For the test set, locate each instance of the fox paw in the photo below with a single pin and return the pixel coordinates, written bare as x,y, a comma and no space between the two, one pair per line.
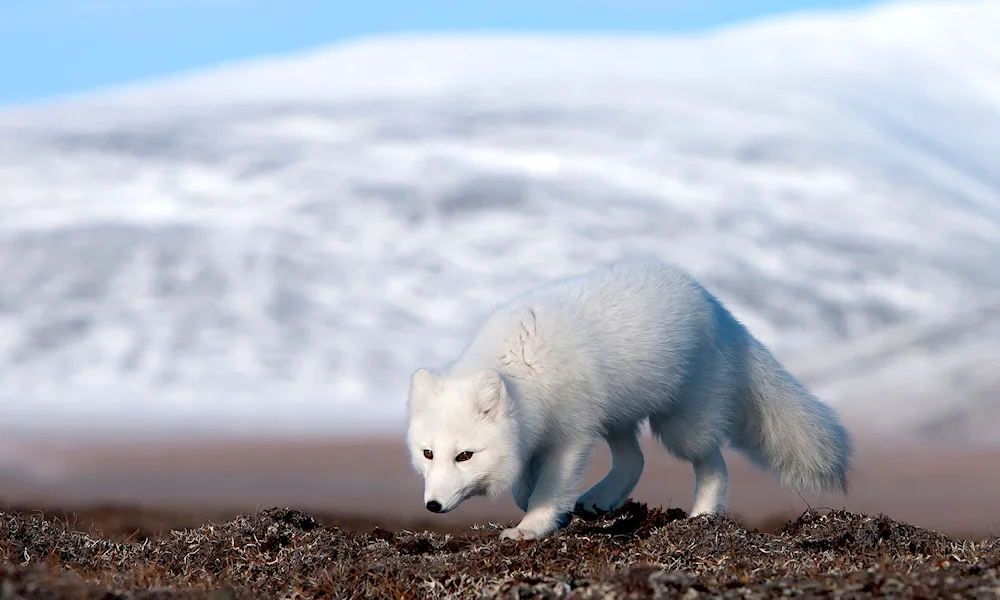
593,504
513,533
528,533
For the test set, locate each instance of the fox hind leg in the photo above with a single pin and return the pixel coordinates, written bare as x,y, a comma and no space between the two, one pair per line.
690,440
711,484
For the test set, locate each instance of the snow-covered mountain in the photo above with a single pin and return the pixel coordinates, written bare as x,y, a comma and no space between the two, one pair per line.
277,244
935,379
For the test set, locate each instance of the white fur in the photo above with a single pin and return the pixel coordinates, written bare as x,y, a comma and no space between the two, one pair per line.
555,370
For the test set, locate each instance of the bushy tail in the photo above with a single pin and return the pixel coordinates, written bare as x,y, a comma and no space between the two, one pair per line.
787,431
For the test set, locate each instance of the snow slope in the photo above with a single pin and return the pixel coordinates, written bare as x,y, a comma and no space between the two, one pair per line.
277,244
937,379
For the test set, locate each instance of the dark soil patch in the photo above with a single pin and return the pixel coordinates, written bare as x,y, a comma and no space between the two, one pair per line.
636,552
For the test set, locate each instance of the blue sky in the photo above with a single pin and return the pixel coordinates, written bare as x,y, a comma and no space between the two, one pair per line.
53,47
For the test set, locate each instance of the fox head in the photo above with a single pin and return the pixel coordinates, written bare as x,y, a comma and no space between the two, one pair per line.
462,437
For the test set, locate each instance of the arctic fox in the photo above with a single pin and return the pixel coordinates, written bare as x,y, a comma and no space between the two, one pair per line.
595,356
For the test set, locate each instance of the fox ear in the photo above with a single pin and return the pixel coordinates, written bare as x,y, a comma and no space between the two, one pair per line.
423,387
492,399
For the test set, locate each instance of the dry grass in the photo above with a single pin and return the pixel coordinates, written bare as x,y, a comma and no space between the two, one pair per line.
635,553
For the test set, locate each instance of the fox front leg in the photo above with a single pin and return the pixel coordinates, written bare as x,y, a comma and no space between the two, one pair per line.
626,468
525,483
551,501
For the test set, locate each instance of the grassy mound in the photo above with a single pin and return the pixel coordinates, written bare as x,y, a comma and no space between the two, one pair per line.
636,552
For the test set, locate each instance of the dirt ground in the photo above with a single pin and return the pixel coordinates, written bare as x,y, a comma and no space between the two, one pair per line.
636,553
344,518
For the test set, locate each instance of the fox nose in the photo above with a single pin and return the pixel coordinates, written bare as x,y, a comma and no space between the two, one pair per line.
434,506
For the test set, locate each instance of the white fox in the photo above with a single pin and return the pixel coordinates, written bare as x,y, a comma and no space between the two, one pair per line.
595,356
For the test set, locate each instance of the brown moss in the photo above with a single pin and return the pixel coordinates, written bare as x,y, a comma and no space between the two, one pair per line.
636,552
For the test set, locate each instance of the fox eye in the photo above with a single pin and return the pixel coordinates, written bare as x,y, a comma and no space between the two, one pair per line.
464,456
428,455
